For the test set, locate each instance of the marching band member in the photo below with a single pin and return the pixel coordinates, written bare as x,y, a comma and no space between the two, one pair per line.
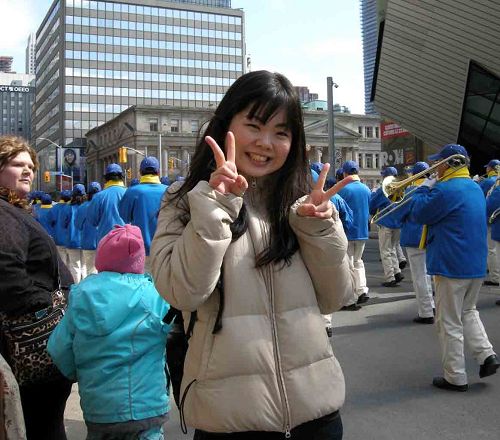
357,196
388,234
103,209
491,176
141,203
486,185
346,217
410,238
493,204
454,210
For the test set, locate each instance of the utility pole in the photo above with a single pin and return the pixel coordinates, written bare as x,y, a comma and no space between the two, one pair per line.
331,135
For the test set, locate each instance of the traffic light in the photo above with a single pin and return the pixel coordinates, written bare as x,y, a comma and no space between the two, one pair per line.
171,163
46,176
122,154
129,173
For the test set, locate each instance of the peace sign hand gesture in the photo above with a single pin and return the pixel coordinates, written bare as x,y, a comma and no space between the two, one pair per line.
317,204
225,178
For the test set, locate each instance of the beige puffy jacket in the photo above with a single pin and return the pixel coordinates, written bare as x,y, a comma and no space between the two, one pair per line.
271,366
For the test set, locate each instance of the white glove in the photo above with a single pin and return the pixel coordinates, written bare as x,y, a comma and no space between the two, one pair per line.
476,178
429,182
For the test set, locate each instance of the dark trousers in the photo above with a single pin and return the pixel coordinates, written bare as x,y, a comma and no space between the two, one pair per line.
326,428
43,409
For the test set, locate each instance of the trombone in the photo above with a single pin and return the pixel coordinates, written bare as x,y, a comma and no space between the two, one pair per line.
395,190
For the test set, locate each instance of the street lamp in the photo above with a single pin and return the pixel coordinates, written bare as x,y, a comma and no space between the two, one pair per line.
59,157
331,130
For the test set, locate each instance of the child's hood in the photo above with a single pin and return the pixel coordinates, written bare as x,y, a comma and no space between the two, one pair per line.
100,303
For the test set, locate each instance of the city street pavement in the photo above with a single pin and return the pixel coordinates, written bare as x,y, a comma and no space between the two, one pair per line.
388,363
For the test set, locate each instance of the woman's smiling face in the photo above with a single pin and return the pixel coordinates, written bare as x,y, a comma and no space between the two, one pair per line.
261,148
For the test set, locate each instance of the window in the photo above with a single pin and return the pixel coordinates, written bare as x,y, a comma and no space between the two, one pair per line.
174,125
153,124
360,130
368,160
369,132
377,132
194,126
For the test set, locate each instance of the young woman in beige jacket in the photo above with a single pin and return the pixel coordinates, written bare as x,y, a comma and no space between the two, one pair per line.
259,363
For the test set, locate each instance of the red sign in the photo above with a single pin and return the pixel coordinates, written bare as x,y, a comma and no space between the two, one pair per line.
392,130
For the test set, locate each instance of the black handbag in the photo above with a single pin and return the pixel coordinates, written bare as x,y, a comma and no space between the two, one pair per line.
25,338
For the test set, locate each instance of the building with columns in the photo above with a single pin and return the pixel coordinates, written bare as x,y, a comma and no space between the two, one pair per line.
162,131
357,137
172,132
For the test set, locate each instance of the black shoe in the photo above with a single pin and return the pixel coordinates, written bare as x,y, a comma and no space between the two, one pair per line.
402,265
441,382
497,302
363,298
351,308
489,366
392,283
490,283
399,277
329,331
420,320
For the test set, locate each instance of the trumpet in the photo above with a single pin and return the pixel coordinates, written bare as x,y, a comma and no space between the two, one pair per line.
396,190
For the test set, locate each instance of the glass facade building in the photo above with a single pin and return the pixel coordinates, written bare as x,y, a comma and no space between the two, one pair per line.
95,59
369,30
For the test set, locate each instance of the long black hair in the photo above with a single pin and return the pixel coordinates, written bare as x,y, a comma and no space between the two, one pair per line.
264,94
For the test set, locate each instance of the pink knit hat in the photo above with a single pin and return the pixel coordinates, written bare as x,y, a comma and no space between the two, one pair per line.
121,250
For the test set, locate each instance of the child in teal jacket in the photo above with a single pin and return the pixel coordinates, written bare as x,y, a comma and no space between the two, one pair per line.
112,341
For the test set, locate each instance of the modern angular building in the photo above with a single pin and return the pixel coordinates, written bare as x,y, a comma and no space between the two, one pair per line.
17,93
94,59
438,73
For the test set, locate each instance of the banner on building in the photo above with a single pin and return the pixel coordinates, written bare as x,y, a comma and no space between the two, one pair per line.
398,144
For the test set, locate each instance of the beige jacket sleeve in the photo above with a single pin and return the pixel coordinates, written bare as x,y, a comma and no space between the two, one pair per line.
186,259
323,246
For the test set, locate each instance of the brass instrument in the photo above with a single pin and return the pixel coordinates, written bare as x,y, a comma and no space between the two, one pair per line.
395,190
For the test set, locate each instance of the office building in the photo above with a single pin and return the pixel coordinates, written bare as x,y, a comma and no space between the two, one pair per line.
369,31
5,64
30,54
17,93
439,73
304,94
94,59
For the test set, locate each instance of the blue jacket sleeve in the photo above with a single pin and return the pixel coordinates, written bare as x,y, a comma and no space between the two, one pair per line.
345,212
60,346
378,200
429,206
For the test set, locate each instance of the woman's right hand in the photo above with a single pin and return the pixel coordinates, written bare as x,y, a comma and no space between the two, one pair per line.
225,178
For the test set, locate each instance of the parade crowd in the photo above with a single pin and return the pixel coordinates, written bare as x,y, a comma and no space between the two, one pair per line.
257,248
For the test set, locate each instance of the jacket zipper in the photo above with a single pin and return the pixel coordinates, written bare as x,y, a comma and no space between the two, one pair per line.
281,381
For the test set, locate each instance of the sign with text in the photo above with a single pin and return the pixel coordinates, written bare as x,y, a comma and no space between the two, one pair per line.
398,144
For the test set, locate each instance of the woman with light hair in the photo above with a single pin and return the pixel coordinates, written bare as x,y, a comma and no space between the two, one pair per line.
30,269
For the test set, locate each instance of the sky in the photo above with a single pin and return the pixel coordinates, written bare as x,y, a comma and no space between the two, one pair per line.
306,40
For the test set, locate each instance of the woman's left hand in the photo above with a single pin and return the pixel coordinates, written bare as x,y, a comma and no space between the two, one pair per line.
318,204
